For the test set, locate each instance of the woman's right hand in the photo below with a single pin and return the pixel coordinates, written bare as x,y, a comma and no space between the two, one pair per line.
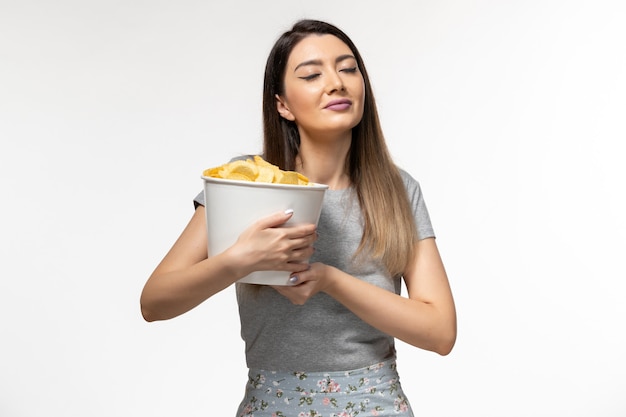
268,245
186,277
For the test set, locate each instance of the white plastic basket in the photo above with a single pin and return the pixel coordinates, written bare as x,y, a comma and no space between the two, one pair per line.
231,206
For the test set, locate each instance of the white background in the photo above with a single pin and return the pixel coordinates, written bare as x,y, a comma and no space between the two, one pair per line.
510,113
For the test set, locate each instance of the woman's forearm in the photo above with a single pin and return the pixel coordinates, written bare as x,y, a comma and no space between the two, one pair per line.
425,325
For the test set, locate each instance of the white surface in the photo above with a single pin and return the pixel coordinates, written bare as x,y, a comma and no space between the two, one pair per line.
233,206
510,113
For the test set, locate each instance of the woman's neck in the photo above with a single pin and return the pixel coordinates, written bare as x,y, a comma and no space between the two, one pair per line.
324,162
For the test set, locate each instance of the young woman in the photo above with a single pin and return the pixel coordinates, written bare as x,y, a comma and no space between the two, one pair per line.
334,355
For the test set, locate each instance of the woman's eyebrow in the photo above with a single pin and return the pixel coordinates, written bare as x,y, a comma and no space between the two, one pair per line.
319,62
344,57
306,63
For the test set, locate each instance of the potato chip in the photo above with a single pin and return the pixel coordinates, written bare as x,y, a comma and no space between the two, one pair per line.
257,170
266,174
302,180
242,170
289,177
212,172
262,162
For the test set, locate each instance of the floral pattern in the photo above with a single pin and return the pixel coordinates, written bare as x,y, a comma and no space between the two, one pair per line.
371,391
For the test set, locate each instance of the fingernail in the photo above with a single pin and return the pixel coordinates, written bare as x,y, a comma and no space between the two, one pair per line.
293,279
288,212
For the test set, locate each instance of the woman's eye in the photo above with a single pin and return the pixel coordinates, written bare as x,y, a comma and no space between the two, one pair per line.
350,70
309,77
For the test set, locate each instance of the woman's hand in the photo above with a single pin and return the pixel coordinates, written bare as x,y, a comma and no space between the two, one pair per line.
266,246
186,277
306,283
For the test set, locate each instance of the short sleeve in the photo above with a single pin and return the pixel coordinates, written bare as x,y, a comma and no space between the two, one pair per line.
199,200
418,205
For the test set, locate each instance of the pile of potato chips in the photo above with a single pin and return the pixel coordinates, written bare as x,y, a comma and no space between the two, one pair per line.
257,170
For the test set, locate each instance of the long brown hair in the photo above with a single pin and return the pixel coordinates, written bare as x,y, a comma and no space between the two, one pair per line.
389,231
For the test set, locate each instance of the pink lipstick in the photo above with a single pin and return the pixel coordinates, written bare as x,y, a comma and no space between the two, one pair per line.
338,105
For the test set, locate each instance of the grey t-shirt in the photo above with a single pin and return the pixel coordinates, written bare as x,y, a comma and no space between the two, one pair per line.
323,335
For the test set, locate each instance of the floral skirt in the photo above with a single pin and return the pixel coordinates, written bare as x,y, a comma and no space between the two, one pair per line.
371,391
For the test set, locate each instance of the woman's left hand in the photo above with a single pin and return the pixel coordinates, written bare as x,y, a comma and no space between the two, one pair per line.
307,283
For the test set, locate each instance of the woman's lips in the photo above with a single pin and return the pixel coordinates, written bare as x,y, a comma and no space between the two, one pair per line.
338,105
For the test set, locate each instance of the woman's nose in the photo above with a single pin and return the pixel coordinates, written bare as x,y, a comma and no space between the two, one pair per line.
334,83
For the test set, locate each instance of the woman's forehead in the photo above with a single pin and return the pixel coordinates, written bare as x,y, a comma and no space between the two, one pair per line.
317,47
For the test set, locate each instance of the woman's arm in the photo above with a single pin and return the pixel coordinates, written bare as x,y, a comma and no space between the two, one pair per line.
186,276
426,319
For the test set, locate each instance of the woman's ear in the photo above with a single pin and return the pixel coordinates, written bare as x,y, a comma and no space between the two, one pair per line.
283,109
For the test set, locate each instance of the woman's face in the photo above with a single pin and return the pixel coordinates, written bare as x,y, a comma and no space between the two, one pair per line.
323,87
